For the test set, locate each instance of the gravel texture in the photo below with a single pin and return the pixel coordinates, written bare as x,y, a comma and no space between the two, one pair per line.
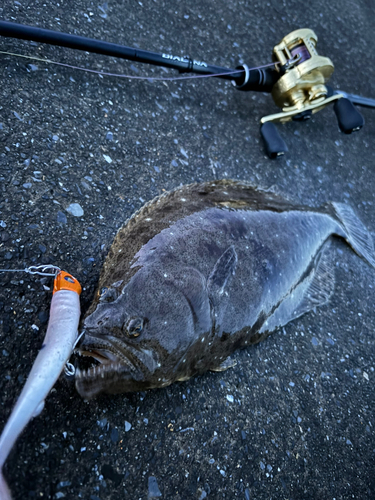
79,153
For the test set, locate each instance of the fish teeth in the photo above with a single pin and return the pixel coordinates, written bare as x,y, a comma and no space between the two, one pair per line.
94,371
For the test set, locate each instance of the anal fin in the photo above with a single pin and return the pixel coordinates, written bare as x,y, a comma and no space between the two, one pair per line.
356,233
315,290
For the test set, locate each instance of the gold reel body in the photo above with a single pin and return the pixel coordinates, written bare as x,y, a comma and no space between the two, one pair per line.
302,86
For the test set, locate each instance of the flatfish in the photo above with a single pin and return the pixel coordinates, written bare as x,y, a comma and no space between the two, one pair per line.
201,271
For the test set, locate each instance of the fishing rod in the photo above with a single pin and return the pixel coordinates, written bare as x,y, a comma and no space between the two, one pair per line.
296,79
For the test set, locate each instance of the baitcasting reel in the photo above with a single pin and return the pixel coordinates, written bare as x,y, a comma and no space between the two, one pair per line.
300,89
297,78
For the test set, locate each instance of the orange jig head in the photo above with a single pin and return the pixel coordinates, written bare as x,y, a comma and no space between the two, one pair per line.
65,281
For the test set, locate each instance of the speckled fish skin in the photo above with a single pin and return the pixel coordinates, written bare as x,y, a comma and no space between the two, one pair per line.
202,271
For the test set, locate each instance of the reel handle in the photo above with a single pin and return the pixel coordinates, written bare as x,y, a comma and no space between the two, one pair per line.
348,117
273,142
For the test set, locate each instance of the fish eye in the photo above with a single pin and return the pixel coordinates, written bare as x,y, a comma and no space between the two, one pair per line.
135,327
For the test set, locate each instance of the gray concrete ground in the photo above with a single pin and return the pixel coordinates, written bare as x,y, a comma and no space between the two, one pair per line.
295,418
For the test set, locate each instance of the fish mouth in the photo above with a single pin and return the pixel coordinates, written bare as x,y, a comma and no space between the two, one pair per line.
118,367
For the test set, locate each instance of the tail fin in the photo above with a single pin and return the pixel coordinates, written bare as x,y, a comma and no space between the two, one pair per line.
356,233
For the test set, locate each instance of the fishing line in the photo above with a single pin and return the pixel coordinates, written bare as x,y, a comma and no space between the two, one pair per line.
42,270
70,369
133,77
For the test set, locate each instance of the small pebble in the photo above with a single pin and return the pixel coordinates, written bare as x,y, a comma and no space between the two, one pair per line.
89,261
102,423
107,158
75,209
63,484
61,217
128,426
184,153
114,435
153,488
43,316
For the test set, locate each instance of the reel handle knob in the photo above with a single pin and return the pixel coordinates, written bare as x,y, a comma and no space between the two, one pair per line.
348,117
275,145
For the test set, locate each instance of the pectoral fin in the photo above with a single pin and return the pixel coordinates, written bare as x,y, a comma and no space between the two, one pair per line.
223,269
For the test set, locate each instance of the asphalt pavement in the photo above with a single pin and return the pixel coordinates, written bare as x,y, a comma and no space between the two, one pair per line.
79,153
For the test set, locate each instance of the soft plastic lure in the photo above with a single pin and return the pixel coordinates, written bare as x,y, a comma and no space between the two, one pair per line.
56,349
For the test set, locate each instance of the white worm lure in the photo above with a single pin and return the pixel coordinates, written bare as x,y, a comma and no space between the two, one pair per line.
56,349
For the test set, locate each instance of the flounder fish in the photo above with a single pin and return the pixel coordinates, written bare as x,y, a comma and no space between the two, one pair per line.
201,271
